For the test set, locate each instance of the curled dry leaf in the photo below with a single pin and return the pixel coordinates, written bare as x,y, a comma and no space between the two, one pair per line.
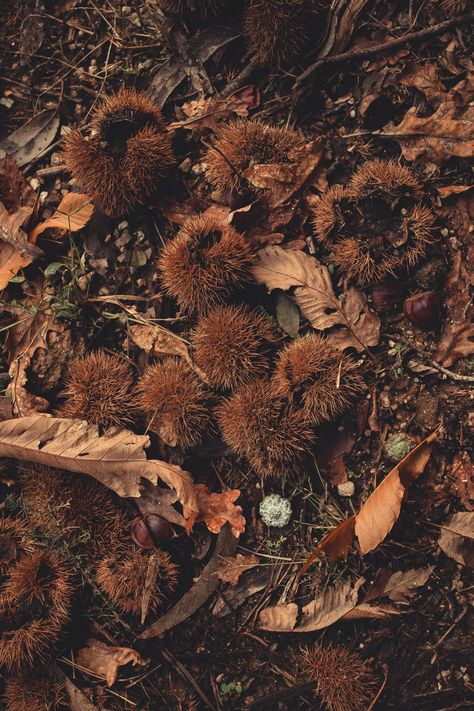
457,336
230,569
462,471
159,342
457,538
73,213
358,327
16,249
104,660
23,402
216,510
117,458
279,618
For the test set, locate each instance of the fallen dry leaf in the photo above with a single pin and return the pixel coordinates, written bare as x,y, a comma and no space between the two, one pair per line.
278,268
457,538
15,190
117,458
203,114
446,133
32,138
16,249
462,471
104,660
279,618
23,402
158,341
458,211
400,586
73,213
230,569
216,510
425,78
457,336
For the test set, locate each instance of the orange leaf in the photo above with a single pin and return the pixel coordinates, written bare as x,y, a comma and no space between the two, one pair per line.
230,569
215,510
73,213
334,544
16,249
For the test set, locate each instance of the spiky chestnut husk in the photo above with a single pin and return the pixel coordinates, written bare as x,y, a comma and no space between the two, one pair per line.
34,609
375,226
231,346
279,30
205,264
121,575
15,542
257,423
183,7
31,694
99,388
240,144
344,682
317,378
125,158
71,505
176,403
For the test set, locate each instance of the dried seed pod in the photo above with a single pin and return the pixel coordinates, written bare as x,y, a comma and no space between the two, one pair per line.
184,7
231,346
15,542
99,388
243,143
34,694
127,155
205,264
257,423
279,30
376,225
34,609
317,378
176,403
122,573
344,682
424,310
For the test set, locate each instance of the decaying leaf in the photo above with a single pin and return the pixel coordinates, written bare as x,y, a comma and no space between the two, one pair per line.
279,618
15,191
425,78
205,114
216,510
73,213
446,133
33,138
457,336
158,342
16,249
230,569
328,608
457,538
358,327
117,458
23,402
462,471
400,586
287,313
104,660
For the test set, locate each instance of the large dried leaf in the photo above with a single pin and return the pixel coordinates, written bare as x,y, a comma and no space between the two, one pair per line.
278,268
457,337
16,250
216,510
73,213
425,77
457,538
30,140
117,458
446,133
158,342
23,402
105,661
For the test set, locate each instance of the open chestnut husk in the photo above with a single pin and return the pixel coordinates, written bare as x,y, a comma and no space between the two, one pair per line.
151,530
423,310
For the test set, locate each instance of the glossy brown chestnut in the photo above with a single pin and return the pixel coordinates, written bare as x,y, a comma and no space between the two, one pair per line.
140,534
424,310
151,530
389,293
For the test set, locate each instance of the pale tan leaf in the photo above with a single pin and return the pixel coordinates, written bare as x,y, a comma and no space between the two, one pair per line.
457,538
399,586
117,458
327,609
16,250
378,514
230,569
279,618
73,213
278,268
104,660
149,586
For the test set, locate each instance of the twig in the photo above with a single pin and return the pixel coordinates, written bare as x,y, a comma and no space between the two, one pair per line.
433,363
52,170
276,696
384,46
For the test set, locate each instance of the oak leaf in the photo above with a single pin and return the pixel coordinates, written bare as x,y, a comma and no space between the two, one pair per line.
72,214
230,569
457,336
16,249
117,458
357,326
105,660
205,114
216,510
457,538
462,471
425,78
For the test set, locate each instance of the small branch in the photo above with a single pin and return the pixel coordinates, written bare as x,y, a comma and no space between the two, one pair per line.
273,698
385,46
432,363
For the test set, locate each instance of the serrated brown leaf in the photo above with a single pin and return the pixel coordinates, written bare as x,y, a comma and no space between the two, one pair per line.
117,458
105,660
457,538
72,214
230,569
462,471
216,510
16,249
457,336
278,268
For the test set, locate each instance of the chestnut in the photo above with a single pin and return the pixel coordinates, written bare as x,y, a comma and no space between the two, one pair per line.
147,532
424,310
390,292
140,534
